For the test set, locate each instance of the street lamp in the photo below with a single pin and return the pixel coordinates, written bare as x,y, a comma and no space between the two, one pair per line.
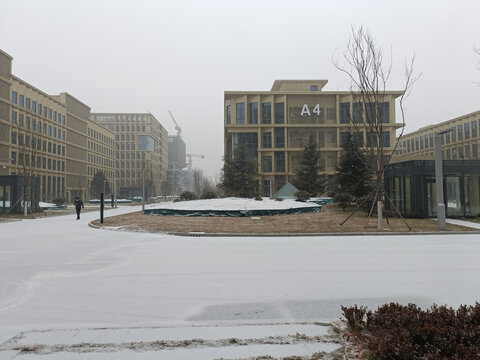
143,190
439,179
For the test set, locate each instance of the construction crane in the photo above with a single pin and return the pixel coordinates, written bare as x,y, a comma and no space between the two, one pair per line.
177,127
189,156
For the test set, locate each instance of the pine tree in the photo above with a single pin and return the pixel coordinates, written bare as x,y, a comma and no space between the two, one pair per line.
307,177
353,175
97,185
238,174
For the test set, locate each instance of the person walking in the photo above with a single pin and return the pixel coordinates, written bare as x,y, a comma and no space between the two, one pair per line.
78,206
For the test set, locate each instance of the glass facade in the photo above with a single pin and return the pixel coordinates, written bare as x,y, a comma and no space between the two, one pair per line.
411,187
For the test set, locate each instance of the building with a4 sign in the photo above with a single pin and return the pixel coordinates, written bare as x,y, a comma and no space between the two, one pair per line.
274,126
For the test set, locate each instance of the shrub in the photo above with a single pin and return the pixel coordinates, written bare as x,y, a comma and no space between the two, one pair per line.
209,194
59,201
303,195
343,199
187,195
279,199
176,200
258,198
400,332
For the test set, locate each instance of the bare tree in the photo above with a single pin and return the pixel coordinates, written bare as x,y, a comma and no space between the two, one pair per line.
29,147
202,184
369,72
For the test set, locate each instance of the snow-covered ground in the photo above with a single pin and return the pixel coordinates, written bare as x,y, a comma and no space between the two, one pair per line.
233,204
121,294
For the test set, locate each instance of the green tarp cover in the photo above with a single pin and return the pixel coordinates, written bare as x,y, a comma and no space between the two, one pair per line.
233,213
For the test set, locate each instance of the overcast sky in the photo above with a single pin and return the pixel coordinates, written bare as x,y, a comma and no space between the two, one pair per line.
152,56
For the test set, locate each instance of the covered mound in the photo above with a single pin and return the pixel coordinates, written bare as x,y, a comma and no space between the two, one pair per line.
234,207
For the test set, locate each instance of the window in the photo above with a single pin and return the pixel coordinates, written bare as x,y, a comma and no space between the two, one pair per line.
447,137
21,101
267,164
49,130
34,124
386,138
27,103
13,157
14,97
421,142
313,87
49,147
460,132
45,112
253,113
344,113
454,134
39,109
240,113
63,119
279,113
50,114
280,137
426,141
280,161
431,140
14,117
385,112
266,113
357,112
54,148
467,131
54,116
34,106
267,140
474,128
14,137
27,122
49,164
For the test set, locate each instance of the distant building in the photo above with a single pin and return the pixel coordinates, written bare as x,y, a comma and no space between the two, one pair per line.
461,142
410,180
142,151
176,163
275,125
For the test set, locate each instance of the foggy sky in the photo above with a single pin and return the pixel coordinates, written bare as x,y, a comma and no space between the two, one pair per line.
152,56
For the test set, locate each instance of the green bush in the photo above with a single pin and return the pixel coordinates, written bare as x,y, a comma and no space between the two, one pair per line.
399,332
303,195
188,195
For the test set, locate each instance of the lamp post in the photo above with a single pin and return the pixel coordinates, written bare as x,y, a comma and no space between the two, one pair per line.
143,190
439,179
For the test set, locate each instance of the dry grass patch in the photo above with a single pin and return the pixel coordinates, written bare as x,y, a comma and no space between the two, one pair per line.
325,222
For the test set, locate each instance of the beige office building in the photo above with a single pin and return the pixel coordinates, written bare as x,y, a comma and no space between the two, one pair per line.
275,125
141,151
101,153
461,140
33,134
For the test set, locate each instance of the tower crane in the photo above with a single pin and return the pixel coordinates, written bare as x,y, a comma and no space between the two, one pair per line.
189,156
177,127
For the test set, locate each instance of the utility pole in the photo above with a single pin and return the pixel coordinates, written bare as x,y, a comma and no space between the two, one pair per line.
439,179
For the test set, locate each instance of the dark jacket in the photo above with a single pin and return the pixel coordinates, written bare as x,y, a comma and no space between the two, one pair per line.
78,204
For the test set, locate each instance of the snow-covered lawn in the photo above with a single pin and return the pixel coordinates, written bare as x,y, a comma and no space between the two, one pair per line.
233,204
61,279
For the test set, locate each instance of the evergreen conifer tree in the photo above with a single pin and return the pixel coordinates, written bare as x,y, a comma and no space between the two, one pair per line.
307,177
238,174
353,175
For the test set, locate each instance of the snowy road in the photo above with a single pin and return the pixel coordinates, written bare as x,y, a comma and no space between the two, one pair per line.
58,273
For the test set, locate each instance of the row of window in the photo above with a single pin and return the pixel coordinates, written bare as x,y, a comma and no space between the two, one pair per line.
100,160
462,152
129,174
34,125
52,187
131,155
100,148
36,143
38,162
279,157
100,137
370,112
253,113
460,132
121,117
31,105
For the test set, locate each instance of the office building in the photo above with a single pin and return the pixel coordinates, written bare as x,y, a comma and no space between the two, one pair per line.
141,151
275,125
